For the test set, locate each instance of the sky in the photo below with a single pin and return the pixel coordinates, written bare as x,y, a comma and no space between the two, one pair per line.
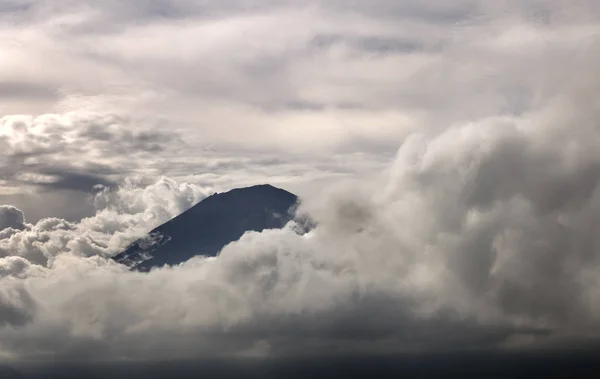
447,150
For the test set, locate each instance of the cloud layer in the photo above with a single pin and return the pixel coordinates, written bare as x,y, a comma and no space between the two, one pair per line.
290,75
122,215
481,236
478,234
234,93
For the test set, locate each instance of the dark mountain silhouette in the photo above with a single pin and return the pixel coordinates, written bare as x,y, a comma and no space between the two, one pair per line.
211,224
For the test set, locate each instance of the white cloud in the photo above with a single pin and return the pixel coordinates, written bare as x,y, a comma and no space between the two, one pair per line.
298,76
303,81
479,236
52,162
122,215
480,233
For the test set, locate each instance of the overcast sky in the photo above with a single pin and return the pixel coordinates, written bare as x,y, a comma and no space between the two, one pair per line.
461,137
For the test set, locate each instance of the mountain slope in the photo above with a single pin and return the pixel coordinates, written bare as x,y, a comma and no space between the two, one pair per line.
211,224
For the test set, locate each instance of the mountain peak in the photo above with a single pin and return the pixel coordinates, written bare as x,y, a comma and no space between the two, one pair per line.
255,189
208,226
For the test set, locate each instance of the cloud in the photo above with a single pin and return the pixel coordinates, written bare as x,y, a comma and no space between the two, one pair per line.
479,234
338,79
11,217
64,157
122,215
16,306
51,163
73,152
218,72
477,237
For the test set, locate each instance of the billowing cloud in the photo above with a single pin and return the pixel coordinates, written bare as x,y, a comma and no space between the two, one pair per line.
122,215
52,163
11,218
129,83
479,233
480,236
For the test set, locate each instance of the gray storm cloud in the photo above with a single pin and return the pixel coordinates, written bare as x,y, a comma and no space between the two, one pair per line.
11,218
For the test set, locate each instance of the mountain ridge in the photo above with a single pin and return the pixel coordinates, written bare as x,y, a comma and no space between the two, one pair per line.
209,225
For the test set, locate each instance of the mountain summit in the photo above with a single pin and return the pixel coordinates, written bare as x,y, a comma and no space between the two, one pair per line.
209,225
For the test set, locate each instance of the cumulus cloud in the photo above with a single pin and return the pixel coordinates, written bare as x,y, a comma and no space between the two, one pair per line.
480,236
480,233
11,218
336,79
122,215
16,307
52,163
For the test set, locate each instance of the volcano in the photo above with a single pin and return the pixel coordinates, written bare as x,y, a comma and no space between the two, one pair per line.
208,226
